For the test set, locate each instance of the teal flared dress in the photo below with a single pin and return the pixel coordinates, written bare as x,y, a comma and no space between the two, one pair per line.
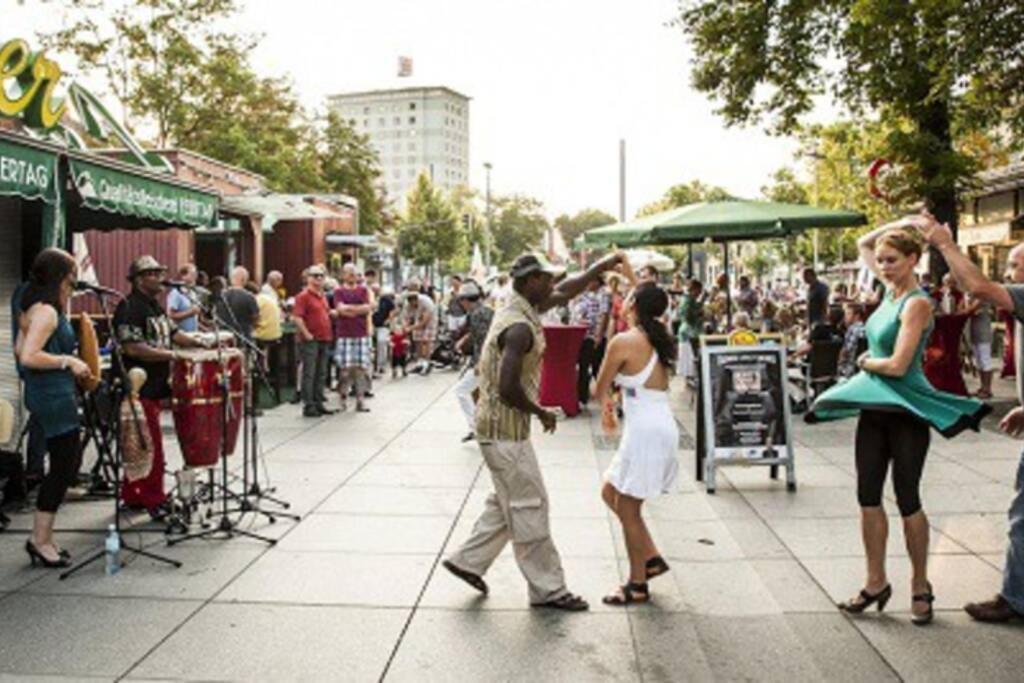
912,393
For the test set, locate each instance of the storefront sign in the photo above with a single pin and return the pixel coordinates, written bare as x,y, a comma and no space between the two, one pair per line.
115,191
27,172
27,84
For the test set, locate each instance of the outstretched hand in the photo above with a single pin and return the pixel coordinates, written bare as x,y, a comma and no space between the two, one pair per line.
935,233
1013,423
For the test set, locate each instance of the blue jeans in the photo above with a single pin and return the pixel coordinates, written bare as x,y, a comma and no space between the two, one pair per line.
1013,575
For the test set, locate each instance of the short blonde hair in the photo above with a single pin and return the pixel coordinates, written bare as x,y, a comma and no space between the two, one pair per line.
903,241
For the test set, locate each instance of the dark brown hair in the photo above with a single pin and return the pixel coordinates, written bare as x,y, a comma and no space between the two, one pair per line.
49,270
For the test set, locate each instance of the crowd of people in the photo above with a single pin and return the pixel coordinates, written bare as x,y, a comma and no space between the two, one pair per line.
638,334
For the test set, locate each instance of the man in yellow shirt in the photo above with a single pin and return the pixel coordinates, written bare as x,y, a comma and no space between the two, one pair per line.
267,334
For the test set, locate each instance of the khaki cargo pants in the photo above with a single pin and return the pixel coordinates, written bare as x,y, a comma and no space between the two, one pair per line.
517,510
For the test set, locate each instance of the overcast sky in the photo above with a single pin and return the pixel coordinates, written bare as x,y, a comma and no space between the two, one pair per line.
554,85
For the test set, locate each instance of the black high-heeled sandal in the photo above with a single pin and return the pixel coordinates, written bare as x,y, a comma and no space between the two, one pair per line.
628,594
656,566
928,597
35,556
865,600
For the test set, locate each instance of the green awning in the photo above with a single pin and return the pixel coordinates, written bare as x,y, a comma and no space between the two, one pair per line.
724,221
104,187
28,172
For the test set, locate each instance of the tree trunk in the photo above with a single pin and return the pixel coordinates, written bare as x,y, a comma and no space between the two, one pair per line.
940,188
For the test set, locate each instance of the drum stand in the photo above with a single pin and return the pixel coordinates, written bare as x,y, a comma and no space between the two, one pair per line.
118,392
227,527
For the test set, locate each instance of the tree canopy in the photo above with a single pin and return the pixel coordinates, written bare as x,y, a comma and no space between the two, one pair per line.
430,230
932,71
518,226
577,224
182,82
684,194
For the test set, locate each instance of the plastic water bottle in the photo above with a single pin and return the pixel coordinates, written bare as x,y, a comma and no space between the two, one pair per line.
113,551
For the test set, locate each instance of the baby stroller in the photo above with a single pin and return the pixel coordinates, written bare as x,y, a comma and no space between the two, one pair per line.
445,355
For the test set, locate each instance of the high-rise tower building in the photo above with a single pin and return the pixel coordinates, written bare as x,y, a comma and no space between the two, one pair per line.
414,130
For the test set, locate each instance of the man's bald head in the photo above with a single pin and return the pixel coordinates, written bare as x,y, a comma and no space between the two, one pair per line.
1015,265
239,276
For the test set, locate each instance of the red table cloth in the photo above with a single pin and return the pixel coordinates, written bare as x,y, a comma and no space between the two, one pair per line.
558,372
942,355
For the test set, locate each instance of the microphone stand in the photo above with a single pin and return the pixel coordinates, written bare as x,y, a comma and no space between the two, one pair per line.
250,434
226,526
118,391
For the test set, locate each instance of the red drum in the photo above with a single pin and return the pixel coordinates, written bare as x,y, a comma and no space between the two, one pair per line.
196,403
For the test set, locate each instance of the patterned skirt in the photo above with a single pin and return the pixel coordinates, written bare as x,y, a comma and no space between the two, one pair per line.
353,352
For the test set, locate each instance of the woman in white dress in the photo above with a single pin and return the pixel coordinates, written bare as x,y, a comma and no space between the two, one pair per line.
640,361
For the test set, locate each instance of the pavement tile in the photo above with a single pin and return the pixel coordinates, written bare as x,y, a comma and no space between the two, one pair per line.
246,642
978,532
205,571
446,645
669,648
370,535
835,537
430,476
699,541
952,649
732,588
756,478
792,587
83,635
738,649
838,648
943,498
392,500
332,578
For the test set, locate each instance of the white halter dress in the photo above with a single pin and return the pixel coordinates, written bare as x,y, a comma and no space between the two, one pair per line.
646,463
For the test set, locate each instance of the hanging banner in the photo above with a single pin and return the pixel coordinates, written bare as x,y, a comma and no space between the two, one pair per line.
108,189
27,172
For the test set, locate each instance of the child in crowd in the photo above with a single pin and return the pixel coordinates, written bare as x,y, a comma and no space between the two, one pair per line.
399,351
853,340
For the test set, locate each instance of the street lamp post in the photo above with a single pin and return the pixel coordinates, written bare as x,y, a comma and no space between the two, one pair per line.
487,211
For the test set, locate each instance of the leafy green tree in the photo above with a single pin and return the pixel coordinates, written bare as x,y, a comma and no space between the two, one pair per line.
349,164
932,71
685,194
430,231
586,219
518,226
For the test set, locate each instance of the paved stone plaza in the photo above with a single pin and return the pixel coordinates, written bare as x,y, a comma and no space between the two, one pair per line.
355,592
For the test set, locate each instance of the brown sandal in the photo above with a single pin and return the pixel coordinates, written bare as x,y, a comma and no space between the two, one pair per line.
656,566
628,594
566,603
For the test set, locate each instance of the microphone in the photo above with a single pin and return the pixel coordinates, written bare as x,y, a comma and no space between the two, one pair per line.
83,286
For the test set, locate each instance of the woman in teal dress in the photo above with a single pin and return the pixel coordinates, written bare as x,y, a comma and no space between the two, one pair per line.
44,347
897,407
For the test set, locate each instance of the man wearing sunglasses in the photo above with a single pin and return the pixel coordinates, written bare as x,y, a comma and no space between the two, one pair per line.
313,327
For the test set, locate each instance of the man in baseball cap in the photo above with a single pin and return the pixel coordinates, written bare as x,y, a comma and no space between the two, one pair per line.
509,375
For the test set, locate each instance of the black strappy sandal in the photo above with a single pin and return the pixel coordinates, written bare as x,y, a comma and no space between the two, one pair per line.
866,599
656,566
474,580
566,603
628,594
928,597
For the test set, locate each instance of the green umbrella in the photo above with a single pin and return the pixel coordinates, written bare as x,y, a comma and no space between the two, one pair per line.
724,221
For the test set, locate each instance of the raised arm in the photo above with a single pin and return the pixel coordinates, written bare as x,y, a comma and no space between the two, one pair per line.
570,288
966,273
913,322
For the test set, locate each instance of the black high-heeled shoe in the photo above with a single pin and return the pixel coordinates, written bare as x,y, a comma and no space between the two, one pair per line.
928,597
35,556
866,600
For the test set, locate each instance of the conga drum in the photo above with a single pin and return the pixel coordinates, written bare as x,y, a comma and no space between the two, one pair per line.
197,403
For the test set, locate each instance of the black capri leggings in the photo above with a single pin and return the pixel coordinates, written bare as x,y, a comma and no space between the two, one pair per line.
65,460
897,437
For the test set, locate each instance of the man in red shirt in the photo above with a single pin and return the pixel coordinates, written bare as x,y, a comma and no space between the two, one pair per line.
313,323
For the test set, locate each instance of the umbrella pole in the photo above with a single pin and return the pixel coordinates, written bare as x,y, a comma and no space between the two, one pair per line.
689,261
728,287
